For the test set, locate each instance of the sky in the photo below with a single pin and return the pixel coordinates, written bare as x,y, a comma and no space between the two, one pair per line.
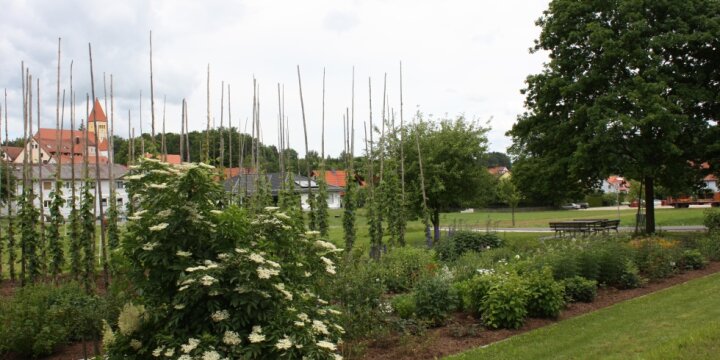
459,58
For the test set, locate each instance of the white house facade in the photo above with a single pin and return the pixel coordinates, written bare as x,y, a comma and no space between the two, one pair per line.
47,183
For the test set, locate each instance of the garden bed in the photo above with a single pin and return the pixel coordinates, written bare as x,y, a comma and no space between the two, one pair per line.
435,343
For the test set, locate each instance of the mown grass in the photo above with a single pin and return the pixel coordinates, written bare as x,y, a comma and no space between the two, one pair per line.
682,322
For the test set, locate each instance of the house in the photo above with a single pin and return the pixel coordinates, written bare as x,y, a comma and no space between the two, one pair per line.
615,184
231,172
47,185
337,177
10,153
43,145
501,172
245,184
711,183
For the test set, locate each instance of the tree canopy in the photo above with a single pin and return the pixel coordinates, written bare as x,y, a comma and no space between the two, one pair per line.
631,88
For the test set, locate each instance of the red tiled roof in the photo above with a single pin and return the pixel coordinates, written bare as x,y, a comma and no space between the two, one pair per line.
47,138
79,159
710,177
97,112
333,177
103,145
232,172
12,151
170,158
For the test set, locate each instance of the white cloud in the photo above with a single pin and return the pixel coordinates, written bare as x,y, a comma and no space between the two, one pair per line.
458,57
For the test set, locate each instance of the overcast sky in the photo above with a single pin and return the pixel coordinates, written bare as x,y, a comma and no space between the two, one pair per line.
459,57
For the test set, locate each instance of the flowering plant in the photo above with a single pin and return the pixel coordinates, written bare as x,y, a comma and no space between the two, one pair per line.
216,283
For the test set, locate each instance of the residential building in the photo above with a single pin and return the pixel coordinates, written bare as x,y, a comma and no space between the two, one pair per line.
615,184
47,185
245,184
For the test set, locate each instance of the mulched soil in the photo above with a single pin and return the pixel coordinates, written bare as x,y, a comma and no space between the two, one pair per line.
439,342
436,343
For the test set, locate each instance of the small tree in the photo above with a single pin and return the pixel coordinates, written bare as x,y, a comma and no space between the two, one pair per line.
321,206
509,194
87,235
30,259
349,206
54,236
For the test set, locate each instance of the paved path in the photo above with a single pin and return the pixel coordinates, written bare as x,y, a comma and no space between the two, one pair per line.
683,228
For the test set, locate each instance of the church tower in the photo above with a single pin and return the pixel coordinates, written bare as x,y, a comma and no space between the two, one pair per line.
98,115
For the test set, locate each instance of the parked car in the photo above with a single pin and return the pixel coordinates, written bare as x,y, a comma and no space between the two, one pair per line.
584,205
571,206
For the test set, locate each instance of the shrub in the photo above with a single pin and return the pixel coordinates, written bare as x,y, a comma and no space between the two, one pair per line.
655,257
467,265
564,264
693,259
211,279
589,264
434,300
402,267
545,295
630,277
463,241
404,305
357,290
41,317
711,220
709,246
472,292
505,304
613,258
581,289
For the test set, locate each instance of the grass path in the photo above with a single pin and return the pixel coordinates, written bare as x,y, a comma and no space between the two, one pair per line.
681,322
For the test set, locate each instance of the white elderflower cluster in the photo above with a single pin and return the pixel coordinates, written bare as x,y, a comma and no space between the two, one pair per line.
281,288
183,253
211,355
158,227
256,335
231,338
134,177
190,346
208,280
319,327
284,343
216,212
220,315
325,245
326,345
329,265
158,186
150,246
257,258
265,273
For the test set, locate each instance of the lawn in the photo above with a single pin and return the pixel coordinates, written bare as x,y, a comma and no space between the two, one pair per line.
681,322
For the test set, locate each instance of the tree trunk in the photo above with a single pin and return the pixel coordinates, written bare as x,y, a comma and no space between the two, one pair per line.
649,205
436,225
513,216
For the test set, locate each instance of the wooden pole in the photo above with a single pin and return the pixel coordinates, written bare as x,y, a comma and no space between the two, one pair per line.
307,161
40,187
207,130
152,96
187,134
402,137
58,135
162,140
182,131
111,144
142,138
103,249
222,123
230,131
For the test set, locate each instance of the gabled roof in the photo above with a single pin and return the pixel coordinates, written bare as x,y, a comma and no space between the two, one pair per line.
72,140
231,172
498,170
12,151
170,158
336,177
710,177
97,112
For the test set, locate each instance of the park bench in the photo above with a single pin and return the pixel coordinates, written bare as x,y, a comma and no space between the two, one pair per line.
583,226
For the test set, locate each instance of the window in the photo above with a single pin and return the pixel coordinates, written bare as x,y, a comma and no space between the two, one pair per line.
119,201
104,202
34,146
46,203
119,184
67,185
47,185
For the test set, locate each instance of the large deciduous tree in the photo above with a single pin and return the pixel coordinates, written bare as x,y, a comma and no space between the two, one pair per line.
632,87
453,152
